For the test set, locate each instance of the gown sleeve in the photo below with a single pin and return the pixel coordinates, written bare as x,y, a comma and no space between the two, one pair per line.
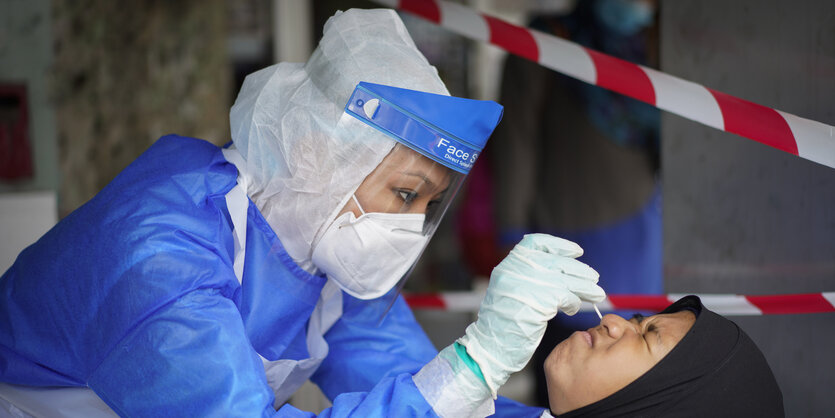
371,363
189,358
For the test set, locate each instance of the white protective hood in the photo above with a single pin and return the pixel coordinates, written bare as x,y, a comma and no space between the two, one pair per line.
303,158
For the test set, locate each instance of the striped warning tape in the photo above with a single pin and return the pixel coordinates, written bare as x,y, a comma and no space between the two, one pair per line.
723,304
806,138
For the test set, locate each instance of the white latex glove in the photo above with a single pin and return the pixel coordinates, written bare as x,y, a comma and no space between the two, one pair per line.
537,279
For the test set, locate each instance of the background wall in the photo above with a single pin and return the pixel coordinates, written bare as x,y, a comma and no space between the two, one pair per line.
28,204
103,81
126,73
26,59
740,217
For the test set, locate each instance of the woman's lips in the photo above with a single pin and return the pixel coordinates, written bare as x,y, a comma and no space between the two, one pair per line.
587,336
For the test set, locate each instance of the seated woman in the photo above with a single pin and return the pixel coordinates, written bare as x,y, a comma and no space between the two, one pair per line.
683,361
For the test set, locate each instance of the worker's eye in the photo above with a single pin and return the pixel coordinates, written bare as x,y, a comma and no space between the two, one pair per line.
407,195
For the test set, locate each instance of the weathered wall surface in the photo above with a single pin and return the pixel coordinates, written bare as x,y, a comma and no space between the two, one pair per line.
126,73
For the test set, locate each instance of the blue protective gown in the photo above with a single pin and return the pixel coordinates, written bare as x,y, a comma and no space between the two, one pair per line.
134,295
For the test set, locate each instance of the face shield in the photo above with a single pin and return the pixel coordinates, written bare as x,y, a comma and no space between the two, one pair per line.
382,226
303,154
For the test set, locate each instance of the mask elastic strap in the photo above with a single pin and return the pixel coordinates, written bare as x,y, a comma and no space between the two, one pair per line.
353,196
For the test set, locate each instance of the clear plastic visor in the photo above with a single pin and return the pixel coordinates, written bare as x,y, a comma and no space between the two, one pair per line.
406,182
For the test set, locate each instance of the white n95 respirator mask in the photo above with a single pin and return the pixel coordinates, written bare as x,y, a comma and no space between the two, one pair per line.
367,256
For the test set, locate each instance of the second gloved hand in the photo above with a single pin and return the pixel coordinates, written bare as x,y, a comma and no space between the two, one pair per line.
537,279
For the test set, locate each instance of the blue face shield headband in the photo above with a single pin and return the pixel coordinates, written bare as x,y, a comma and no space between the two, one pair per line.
449,130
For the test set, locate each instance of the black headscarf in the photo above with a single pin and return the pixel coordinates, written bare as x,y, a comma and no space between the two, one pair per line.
714,371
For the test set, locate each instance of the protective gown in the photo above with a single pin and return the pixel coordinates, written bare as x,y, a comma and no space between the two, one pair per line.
135,296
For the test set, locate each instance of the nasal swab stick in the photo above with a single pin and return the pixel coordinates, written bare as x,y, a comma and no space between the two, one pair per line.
598,311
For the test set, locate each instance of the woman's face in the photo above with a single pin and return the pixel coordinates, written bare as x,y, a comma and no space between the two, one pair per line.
404,182
591,365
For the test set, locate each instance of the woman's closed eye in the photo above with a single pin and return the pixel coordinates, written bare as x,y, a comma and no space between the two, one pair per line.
653,336
651,327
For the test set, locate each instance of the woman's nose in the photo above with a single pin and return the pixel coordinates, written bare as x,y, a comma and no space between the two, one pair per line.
614,325
419,206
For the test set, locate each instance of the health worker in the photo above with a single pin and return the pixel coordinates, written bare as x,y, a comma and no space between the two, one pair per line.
214,282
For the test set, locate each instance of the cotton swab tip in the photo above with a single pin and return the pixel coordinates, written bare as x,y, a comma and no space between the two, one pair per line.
598,311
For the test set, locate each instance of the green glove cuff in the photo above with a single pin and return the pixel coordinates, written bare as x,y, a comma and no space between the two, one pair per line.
471,364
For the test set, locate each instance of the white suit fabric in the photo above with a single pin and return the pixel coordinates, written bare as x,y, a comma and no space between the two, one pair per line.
304,156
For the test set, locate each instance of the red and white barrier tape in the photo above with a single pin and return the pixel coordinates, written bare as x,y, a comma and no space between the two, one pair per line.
806,138
732,305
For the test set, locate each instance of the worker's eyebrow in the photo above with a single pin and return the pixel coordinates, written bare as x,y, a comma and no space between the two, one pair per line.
420,175
638,317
